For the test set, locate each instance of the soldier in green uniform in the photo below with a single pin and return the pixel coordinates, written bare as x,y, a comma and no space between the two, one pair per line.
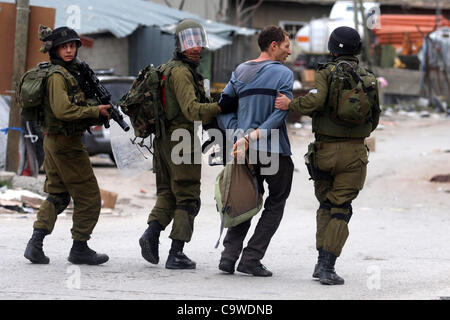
338,158
178,184
69,174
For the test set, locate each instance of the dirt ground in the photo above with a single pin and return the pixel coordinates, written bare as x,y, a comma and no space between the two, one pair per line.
397,248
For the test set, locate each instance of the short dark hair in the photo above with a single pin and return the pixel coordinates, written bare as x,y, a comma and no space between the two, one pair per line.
269,34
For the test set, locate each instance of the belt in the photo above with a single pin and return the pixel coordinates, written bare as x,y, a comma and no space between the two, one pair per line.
328,145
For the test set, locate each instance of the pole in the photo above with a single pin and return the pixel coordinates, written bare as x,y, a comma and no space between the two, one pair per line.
355,11
366,35
19,65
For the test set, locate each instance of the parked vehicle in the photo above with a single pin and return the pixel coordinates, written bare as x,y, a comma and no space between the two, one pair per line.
313,37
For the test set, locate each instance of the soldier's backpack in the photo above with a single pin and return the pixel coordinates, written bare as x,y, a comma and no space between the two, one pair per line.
31,92
237,195
143,103
352,94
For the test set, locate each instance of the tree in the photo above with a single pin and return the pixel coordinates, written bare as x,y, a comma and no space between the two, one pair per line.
243,15
180,7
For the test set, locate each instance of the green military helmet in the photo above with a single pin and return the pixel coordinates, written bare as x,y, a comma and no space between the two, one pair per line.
53,39
190,34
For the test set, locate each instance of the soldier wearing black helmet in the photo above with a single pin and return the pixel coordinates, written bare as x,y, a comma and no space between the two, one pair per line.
344,109
68,112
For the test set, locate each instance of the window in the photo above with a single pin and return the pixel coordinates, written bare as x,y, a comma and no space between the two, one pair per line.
292,27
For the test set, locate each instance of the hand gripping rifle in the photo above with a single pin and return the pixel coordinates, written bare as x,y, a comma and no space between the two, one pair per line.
102,95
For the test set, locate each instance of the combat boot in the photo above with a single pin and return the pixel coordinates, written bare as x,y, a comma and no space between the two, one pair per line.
177,259
33,251
318,266
327,273
149,242
82,254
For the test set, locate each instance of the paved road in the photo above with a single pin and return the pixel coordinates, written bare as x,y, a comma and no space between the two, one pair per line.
397,249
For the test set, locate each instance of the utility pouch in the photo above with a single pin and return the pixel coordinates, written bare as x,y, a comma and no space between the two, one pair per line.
309,160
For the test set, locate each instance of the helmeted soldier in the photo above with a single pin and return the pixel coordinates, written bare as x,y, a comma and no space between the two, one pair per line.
68,112
344,108
178,184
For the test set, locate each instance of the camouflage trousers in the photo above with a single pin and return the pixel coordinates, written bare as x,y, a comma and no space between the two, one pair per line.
178,192
69,174
345,167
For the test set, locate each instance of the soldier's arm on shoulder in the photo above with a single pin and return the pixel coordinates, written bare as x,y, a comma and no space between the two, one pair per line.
182,82
315,99
62,107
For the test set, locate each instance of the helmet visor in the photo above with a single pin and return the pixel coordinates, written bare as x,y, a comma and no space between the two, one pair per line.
192,38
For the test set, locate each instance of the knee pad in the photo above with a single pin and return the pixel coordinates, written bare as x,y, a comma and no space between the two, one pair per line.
326,205
59,200
343,216
191,209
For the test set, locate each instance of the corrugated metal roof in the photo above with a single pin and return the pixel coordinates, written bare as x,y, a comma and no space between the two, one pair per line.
121,18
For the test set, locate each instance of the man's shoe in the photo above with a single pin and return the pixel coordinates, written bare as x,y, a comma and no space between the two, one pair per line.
328,275
227,266
86,256
33,251
179,261
258,271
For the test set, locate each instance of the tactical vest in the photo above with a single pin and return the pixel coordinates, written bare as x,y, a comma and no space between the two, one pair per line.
76,96
323,123
174,115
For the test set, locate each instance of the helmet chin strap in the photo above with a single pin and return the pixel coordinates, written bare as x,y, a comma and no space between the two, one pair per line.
192,59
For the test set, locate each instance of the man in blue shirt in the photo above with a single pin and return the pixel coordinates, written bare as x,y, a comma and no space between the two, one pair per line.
255,83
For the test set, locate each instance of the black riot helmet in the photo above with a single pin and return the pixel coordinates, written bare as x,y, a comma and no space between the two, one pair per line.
61,35
345,41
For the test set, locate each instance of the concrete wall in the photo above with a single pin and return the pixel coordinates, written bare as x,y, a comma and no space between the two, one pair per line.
107,52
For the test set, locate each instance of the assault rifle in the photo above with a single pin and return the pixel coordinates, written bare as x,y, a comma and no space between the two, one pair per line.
102,95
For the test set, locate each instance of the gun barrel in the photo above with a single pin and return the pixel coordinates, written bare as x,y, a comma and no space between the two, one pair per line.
117,117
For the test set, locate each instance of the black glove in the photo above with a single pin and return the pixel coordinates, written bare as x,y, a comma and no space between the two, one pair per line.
228,104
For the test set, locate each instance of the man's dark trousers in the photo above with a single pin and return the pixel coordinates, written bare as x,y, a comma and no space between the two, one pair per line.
279,188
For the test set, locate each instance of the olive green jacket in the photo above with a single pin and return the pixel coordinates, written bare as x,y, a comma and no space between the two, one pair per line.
185,98
67,111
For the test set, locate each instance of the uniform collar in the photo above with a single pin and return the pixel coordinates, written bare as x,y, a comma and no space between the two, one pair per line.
347,58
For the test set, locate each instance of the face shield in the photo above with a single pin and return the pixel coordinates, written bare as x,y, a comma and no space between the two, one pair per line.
192,38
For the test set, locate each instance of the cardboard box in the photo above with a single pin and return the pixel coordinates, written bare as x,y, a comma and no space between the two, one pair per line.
308,76
108,199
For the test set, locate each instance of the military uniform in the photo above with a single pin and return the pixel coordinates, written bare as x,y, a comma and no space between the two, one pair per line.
68,112
178,185
66,164
340,161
